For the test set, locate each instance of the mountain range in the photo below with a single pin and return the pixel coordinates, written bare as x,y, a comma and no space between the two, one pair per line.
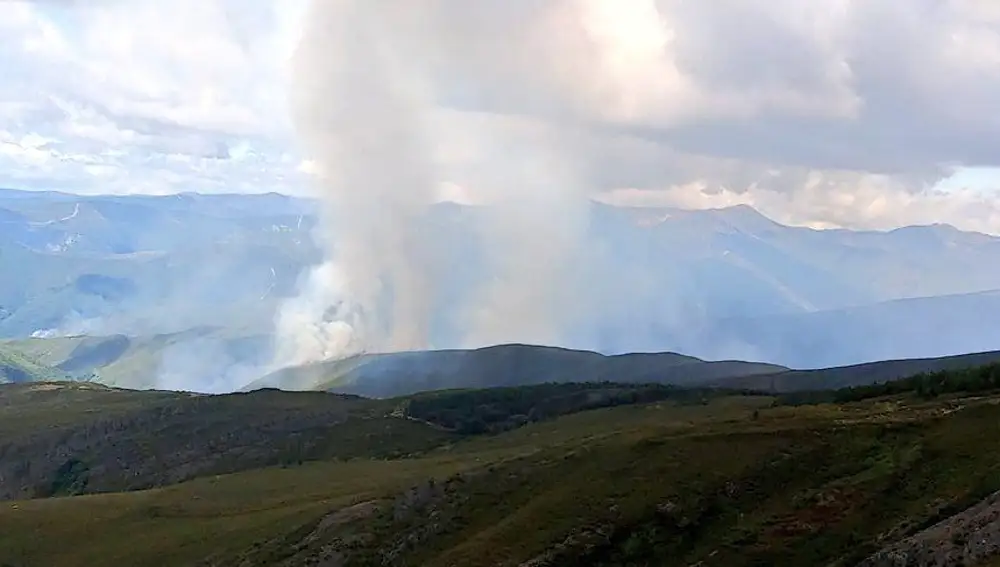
193,282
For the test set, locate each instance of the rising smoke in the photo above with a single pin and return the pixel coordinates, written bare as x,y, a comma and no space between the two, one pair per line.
358,111
532,232
362,104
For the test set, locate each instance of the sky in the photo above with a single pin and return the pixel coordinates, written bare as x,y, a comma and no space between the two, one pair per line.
829,113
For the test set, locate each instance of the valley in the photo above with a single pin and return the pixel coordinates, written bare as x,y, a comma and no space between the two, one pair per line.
194,282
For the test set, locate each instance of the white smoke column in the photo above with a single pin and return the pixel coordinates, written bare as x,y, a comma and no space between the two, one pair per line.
359,113
368,77
532,233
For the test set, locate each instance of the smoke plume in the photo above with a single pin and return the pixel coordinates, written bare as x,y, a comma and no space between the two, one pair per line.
358,111
531,234
363,106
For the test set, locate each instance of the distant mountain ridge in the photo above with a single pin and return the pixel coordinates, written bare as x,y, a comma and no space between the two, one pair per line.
901,329
137,264
396,374
400,374
716,284
854,375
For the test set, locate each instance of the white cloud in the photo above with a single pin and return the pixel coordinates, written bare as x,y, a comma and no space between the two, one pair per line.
859,106
869,202
121,89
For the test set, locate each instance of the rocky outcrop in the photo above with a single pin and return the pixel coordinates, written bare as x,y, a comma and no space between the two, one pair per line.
967,538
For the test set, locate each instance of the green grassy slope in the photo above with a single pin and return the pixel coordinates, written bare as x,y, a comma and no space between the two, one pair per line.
16,366
730,482
76,438
136,362
34,408
68,438
116,360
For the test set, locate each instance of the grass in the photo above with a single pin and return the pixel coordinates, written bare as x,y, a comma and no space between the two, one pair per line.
732,482
134,367
114,439
242,508
110,440
50,351
16,366
135,362
182,524
30,408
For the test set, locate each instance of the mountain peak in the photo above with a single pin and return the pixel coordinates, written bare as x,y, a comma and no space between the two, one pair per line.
740,209
743,215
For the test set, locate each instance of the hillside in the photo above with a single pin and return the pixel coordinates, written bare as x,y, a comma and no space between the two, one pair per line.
212,359
730,480
74,438
855,375
66,437
397,374
16,366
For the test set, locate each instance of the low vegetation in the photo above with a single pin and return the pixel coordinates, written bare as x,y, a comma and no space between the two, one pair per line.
932,384
113,440
493,410
544,476
927,385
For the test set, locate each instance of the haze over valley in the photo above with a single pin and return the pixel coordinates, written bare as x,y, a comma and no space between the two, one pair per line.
209,275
